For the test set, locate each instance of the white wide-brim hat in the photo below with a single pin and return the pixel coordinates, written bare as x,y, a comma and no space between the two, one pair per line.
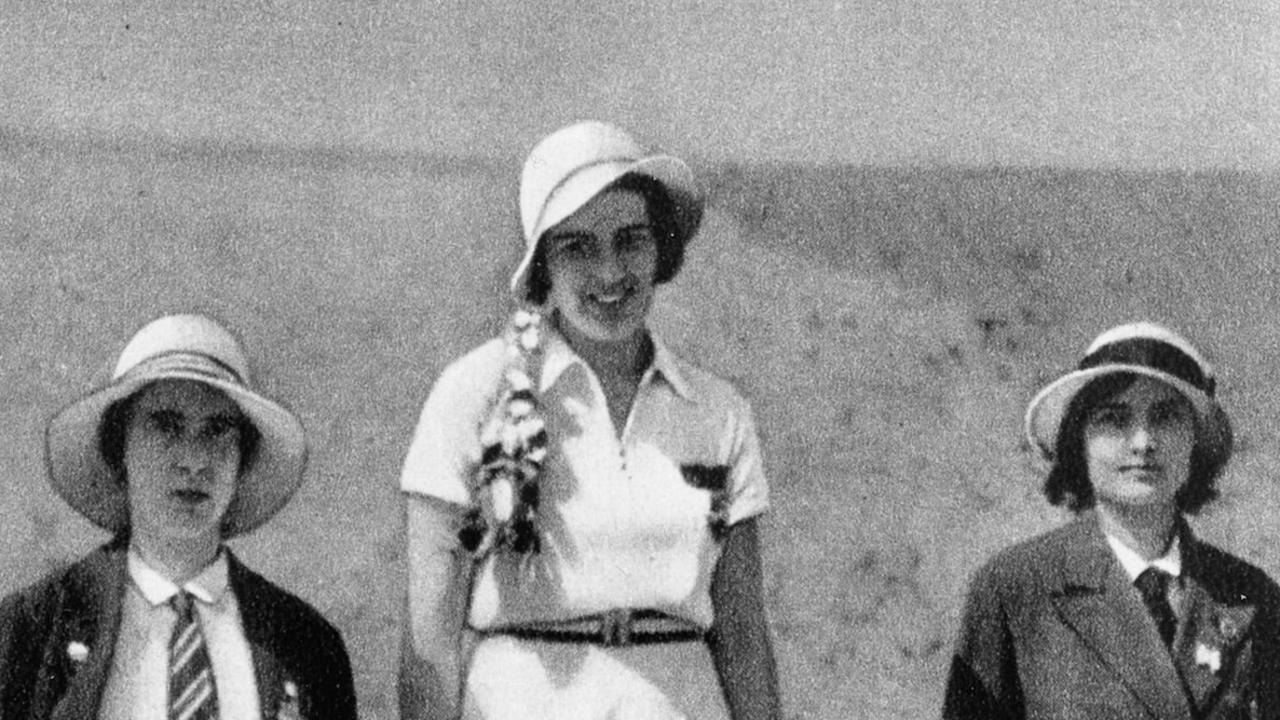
569,167
177,347
1149,350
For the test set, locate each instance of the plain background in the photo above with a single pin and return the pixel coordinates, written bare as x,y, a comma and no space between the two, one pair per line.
919,213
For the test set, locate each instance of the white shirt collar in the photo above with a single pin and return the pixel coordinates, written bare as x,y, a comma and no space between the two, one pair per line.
666,364
208,587
558,356
1133,564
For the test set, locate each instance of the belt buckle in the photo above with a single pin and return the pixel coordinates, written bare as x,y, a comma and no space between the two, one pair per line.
615,628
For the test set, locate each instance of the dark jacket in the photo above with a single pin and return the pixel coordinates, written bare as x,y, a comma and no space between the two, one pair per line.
45,625
1054,628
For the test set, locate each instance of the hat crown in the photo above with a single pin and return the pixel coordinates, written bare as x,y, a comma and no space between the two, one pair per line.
192,334
574,164
562,154
1154,334
1139,348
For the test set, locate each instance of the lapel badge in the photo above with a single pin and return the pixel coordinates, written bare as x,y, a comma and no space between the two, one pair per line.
1229,628
1208,657
289,706
77,651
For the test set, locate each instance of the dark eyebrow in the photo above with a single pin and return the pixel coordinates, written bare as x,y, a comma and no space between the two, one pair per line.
1168,403
1107,407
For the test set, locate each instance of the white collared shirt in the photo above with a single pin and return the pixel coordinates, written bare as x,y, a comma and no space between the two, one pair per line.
137,688
620,525
1134,565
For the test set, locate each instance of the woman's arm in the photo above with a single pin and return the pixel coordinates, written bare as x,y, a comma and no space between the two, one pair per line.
439,587
739,639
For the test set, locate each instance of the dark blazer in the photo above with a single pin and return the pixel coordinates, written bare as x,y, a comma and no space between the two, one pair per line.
1054,628
43,626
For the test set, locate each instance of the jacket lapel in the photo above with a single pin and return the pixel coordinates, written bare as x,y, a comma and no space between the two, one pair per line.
1097,600
257,615
1211,633
92,598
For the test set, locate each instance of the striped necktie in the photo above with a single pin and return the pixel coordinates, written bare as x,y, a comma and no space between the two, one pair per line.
192,695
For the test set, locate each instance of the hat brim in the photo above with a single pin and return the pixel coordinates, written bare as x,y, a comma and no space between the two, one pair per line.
80,475
1047,410
581,187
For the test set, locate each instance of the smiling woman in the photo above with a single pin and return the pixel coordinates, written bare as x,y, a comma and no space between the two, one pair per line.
582,503
1123,612
601,263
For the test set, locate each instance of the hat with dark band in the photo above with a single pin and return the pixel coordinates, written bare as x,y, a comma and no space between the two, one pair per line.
176,347
1149,350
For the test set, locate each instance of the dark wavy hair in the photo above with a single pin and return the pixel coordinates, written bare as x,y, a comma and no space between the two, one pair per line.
1068,481
114,428
661,210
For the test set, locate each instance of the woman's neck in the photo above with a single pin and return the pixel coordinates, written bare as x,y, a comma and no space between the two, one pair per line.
1146,530
619,366
179,560
616,360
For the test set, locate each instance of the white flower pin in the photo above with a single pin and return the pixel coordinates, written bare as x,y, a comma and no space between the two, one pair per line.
503,498
1208,657
1229,629
520,408
519,380
514,446
77,651
524,319
289,709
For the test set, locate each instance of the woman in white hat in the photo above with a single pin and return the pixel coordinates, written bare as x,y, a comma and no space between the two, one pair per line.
173,455
1123,612
582,503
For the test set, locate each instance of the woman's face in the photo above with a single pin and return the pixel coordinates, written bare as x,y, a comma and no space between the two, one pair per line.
601,262
1138,445
182,459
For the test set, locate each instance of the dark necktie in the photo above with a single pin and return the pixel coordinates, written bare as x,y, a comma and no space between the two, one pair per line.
1154,586
192,695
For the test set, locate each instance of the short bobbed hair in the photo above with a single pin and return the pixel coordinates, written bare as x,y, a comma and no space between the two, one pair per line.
1068,482
662,215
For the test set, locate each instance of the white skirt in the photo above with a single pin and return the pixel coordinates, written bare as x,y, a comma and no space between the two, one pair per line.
514,678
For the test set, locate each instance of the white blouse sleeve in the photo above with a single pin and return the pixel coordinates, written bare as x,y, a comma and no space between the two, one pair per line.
445,448
749,491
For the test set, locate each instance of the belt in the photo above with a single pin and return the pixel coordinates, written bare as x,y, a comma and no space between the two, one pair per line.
615,628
